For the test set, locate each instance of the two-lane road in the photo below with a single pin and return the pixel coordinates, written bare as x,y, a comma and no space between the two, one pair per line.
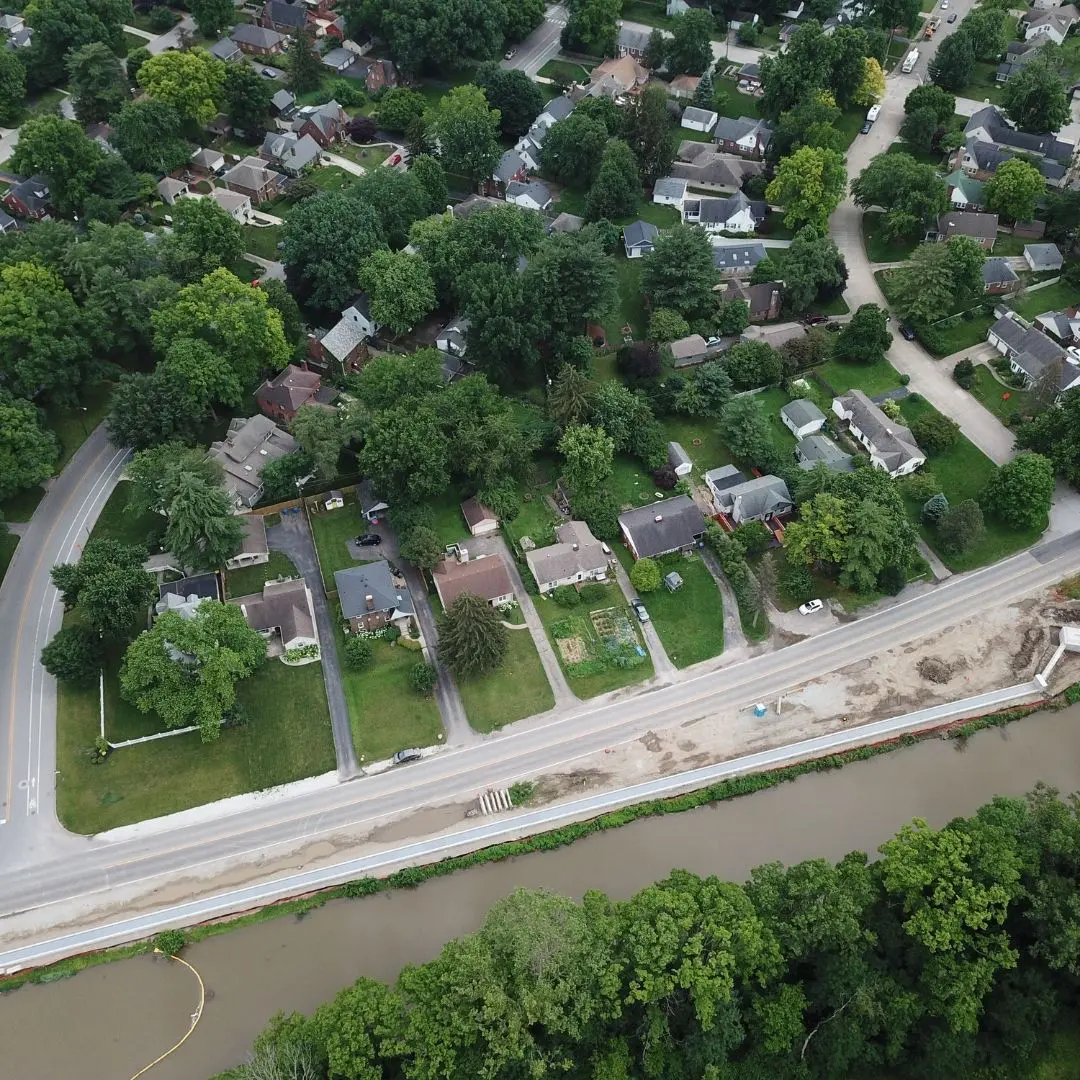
542,45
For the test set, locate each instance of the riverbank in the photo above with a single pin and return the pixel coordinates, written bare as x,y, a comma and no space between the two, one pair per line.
296,963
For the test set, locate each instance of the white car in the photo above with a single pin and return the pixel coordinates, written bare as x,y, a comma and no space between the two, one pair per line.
713,342
944,4
810,607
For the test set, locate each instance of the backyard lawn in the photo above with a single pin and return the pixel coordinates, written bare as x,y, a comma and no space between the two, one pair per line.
631,308
332,530
115,523
690,621
366,155
1001,400
519,688
585,655
286,737
698,436
631,484
771,402
563,71
956,336
385,713
881,249
663,217
250,579
262,241
870,378
1051,298
962,471
536,518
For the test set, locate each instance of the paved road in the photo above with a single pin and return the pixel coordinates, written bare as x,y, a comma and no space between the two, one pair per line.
115,871
541,45
293,537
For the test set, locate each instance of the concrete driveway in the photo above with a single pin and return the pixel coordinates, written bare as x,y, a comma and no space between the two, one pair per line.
292,537
662,664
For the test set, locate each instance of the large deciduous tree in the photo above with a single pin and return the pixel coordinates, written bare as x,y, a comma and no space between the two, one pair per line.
745,430
97,82
518,100
750,364
1020,491
204,237
649,134
147,135
400,288
245,98
397,198
928,111
616,191
1055,433
1015,190
406,454
212,17
186,670
954,63
74,654
191,82
147,410
589,454
592,26
203,531
911,193
811,268
689,49
468,132
472,638
109,586
28,452
322,434
61,150
573,149
809,185
1034,98
62,25
680,274
866,338
12,85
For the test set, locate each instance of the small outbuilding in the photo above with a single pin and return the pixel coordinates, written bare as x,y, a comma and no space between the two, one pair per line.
802,417
1043,257
679,459
673,581
481,519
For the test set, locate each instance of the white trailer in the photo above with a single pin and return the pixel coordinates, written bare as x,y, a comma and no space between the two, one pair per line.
910,61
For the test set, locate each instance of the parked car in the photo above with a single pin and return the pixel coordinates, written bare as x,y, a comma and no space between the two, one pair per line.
713,342
368,540
270,73
509,54
810,607
810,319
865,129
951,18
403,756
393,159
944,4
639,609
906,332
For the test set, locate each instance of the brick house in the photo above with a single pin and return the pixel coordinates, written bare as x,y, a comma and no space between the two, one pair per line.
251,177
281,397
30,199
324,123
284,17
258,40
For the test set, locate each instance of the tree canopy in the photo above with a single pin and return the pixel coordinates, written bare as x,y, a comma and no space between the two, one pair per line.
809,185
910,193
1034,98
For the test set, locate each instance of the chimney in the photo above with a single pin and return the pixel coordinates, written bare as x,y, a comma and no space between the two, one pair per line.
658,518
369,602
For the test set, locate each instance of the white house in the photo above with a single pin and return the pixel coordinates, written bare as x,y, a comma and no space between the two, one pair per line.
1033,355
283,611
669,191
889,443
576,557
698,119
757,499
735,214
679,459
236,205
802,418
254,550
1053,25
1042,258
451,338
532,195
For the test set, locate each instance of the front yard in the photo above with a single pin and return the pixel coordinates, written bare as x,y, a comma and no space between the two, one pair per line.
517,689
1001,400
286,737
8,543
262,241
597,643
882,249
870,378
690,621
250,579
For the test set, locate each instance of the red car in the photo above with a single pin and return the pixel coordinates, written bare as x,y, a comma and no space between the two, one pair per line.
394,159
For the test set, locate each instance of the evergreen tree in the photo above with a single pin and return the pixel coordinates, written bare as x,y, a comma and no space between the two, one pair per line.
472,638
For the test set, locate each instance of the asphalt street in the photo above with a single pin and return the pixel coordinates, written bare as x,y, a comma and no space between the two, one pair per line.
541,45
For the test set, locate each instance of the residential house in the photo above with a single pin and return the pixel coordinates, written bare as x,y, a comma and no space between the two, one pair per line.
576,556
763,301
254,550
679,459
639,238
237,206
284,614
372,507
999,277
669,191
337,60
381,74
674,524
9,24
258,40
245,451
745,137
1042,258
481,519
965,192
511,167
980,160
558,108
345,343
170,189
1017,56
889,443
989,125
486,577
531,195
226,50
817,450
696,119
684,86
1045,5
1053,25
7,222
324,123
701,166
566,223
22,38
473,204
29,199
186,594
291,152
750,78
626,72
734,214
531,146
371,599
282,396
802,418
284,104
204,162
452,337
1033,355
721,480
688,351
284,17
252,178
760,498
737,260
632,41
1062,326
982,228
680,7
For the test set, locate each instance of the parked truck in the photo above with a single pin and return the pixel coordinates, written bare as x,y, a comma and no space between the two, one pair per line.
910,61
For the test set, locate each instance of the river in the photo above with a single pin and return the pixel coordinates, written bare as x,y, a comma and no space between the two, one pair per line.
107,1023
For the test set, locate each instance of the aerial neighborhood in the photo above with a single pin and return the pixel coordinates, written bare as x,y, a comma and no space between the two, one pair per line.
424,368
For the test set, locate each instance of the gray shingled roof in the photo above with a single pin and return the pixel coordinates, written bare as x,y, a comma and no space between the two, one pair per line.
537,191
891,440
820,448
757,498
681,523
699,116
998,272
559,108
356,583
1043,256
509,164
736,256
726,476
1032,350
801,412
669,187
638,233
259,37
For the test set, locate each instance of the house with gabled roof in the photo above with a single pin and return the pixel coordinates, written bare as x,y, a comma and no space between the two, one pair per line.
965,192
324,123
531,195
235,204
999,277
736,213
290,151
206,162
249,445
638,238
225,50
763,301
696,119
282,395
889,442
253,178
284,103
982,228
669,191
744,136
660,528
371,599
283,613
284,17
575,557
819,449
1032,355
701,166
30,198
733,260
344,345
761,498
1052,25
258,40
486,577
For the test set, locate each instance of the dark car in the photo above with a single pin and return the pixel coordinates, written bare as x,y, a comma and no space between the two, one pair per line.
907,333
814,320
951,18
865,129
368,540
403,756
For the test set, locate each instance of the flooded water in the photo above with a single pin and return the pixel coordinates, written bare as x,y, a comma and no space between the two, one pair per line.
108,1023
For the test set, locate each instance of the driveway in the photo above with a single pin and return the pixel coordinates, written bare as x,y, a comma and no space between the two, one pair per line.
665,669
171,38
293,538
734,635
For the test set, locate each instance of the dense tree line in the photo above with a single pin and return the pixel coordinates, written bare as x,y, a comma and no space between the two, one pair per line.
956,950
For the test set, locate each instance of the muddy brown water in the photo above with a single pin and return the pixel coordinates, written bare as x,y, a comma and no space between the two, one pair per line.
107,1023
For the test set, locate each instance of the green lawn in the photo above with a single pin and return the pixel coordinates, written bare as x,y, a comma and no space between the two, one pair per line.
517,689
631,484
367,156
698,436
385,713
449,521
1001,400
250,579
962,471
331,530
924,157
870,378
1051,298
536,516
262,241
690,622
836,306
115,523
738,104
22,506
1006,244
643,11
8,543
287,737
563,71
631,306
879,249
960,335
133,42
575,202
611,678
771,402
